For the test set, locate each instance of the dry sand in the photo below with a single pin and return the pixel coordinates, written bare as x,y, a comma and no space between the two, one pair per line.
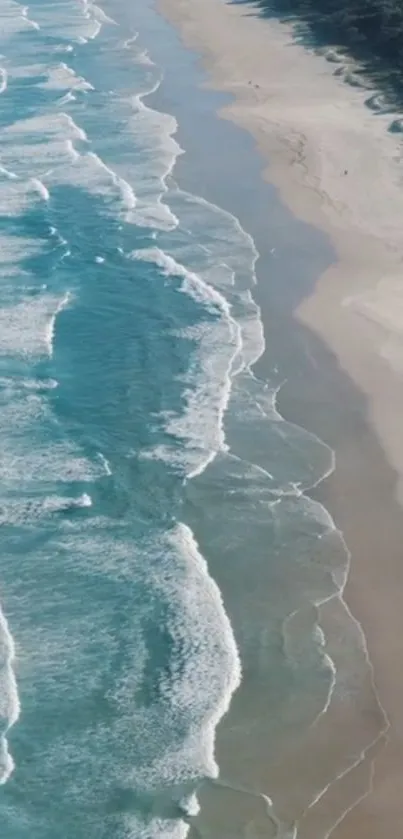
312,127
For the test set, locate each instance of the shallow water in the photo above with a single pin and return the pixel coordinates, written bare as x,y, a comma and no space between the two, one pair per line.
156,538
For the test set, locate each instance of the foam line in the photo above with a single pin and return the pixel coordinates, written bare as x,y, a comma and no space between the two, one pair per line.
3,79
9,700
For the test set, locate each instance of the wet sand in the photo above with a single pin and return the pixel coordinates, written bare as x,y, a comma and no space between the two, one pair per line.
337,168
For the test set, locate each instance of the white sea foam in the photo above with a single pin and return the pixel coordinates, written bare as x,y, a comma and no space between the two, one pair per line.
25,14
14,387
143,57
76,131
130,41
16,197
126,191
69,97
154,134
96,28
50,153
73,21
27,327
192,284
101,15
32,469
3,79
14,19
14,249
55,136
200,425
201,606
46,126
73,154
60,503
89,172
41,188
226,258
22,469
44,160
105,463
60,48
28,512
54,159
204,667
9,701
50,326
156,153
63,77
7,173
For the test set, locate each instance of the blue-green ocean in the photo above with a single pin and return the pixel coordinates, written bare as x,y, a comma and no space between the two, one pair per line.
130,418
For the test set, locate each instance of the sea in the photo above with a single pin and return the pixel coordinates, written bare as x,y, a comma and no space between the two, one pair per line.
157,545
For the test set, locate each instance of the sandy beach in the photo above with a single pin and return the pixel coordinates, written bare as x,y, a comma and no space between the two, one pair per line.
337,167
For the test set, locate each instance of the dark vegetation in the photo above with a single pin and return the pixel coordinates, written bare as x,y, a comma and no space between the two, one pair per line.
371,31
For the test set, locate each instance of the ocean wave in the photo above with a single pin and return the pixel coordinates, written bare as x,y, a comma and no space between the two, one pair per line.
156,151
13,386
13,249
200,425
22,469
225,256
56,134
62,303
128,43
27,327
25,15
45,126
15,19
171,596
41,147
42,474
29,512
19,196
154,132
7,173
54,159
3,79
232,408
193,285
105,463
142,183
100,14
41,189
79,20
129,199
63,77
9,700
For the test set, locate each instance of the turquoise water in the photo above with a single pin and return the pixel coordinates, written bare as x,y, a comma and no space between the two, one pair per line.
142,461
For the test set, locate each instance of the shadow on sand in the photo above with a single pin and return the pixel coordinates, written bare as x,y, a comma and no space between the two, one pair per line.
360,60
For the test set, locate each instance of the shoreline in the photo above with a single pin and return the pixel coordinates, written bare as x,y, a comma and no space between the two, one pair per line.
358,319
